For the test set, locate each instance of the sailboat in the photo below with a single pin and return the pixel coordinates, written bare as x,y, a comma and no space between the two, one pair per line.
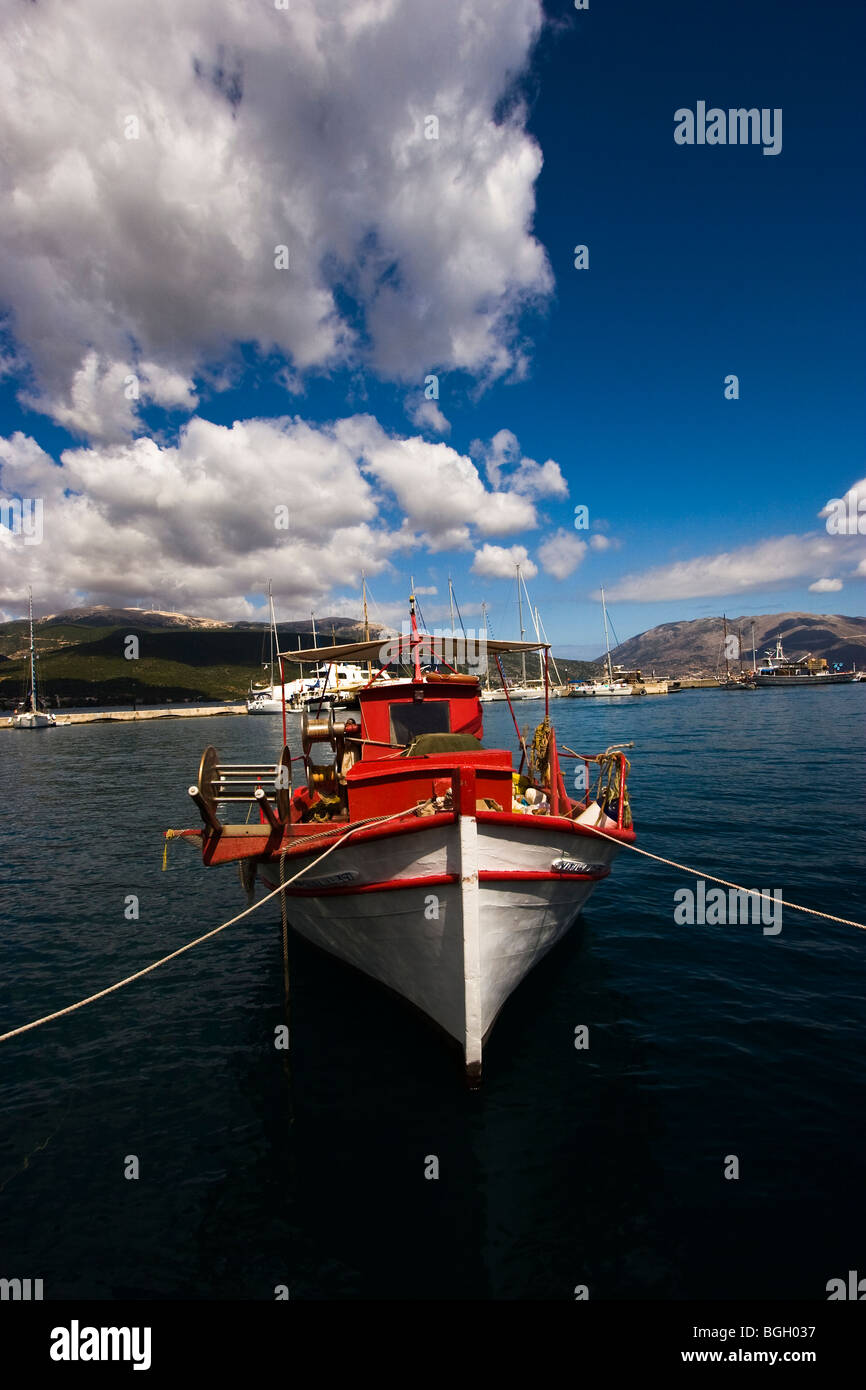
617,682
332,685
522,689
731,682
451,872
32,717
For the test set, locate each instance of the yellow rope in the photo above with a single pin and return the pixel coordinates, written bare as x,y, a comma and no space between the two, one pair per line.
71,1008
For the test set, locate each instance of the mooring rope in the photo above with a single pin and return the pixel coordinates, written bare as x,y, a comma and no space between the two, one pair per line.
91,998
686,868
660,859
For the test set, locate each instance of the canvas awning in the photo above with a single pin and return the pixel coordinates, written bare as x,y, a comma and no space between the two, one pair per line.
401,648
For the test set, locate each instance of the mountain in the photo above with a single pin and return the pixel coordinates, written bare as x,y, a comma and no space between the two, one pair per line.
695,646
82,654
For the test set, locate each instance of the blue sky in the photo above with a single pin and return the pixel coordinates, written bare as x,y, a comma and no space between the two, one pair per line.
703,261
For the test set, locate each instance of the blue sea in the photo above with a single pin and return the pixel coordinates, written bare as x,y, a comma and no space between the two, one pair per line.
604,1167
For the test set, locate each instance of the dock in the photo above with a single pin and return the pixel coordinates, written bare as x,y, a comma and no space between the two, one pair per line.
132,716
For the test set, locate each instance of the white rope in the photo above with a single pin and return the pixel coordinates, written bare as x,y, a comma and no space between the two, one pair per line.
672,863
71,1008
796,907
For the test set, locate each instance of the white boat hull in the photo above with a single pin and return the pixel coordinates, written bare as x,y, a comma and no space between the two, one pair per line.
34,719
465,929
602,689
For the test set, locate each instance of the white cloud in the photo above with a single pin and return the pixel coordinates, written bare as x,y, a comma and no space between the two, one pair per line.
194,524
439,490
426,414
825,586
422,589
497,562
600,542
259,128
507,468
561,553
766,564
855,494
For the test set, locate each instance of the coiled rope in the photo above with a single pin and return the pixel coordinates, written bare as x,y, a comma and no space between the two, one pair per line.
120,984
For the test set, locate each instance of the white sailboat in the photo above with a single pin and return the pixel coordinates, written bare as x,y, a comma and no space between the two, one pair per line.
526,690
333,683
613,685
32,717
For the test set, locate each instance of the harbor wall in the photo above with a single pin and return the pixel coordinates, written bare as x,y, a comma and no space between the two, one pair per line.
129,716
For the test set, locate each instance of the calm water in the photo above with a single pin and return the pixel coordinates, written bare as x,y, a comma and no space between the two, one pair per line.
602,1167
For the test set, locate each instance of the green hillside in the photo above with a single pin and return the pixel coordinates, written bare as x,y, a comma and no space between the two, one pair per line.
84,663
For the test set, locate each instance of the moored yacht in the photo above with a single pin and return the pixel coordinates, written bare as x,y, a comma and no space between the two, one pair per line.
32,716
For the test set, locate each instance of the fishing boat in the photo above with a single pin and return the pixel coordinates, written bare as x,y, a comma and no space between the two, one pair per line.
32,716
779,672
413,851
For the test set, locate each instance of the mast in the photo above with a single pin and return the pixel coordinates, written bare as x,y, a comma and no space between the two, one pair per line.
520,611
416,641
274,640
606,636
366,622
484,631
725,624
451,603
552,657
32,659
740,647
754,658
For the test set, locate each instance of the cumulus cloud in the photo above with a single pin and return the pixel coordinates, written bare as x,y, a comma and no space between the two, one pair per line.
561,553
854,501
203,523
157,157
825,586
426,414
439,490
506,467
499,562
769,563
599,541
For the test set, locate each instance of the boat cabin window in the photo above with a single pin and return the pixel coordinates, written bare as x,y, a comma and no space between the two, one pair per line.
421,717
